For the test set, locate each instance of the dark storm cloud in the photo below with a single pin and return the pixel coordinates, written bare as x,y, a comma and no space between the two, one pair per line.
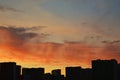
5,9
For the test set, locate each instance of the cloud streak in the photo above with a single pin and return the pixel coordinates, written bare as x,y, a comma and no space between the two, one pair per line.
20,34
5,9
21,45
112,42
24,45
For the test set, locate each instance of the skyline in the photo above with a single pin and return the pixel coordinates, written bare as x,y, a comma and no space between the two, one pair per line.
59,33
59,70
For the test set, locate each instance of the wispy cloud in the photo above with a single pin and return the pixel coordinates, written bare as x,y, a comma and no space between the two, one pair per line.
111,48
93,21
111,42
5,9
19,35
23,44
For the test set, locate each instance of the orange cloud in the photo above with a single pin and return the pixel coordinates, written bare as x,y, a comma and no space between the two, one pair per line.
25,47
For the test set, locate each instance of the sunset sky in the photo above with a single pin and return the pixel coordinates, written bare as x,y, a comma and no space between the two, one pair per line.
59,33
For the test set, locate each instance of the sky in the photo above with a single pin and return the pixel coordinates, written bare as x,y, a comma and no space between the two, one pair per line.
58,33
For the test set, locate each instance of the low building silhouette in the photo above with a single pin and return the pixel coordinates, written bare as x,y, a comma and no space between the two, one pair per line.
56,72
8,71
33,73
86,74
104,70
73,73
56,75
47,76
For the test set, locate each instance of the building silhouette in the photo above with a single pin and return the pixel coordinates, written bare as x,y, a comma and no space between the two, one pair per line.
56,72
104,70
56,75
86,74
77,73
18,72
101,70
73,73
47,76
118,72
8,71
32,73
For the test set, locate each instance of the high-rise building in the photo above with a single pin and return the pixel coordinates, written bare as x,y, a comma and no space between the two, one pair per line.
73,73
8,71
33,73
104,70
